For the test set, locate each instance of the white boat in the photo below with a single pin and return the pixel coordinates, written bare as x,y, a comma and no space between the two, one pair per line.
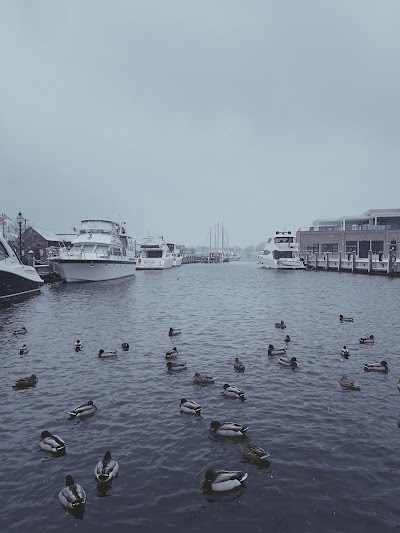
155,254
100,252
281,252
177,254
16,279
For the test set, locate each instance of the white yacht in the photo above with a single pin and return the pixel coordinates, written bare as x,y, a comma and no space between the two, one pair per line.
155,254
177,254
101,251
281,252
16,279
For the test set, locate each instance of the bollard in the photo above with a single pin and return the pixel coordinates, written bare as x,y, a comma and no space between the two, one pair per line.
339,266
353,262
369,261
316,260
31,258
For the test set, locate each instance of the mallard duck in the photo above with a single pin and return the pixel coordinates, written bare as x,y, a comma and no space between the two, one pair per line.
346,318
276,351
280,324
222,480
125,346
350,384
171,353
227,429
253,452
233,392
84,410
367,340
24,383
51,443
345,352
173,332
202,379
238,365
190,407
103,354
287,338
377,367
23,350
176,366
106,469
78,346
72,496
285,361
20,331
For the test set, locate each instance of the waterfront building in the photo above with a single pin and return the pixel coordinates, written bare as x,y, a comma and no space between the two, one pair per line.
377,230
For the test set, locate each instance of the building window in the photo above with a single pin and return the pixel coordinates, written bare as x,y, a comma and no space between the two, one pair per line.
351,246
332,248
376,247
311,249
393,246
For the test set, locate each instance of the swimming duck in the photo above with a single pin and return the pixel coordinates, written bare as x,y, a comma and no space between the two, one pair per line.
84,410
276,351
171,353
173,332
227,429
345,352
280,324
287,338
398,385
367,340
377,367
253,452
20,331
222,480
125,346
106,469
233,392
78,346
346,318
176,366
285,361
107,353
202,379
349,384
51,443
72,496
23,350
190,407
238,365
24,383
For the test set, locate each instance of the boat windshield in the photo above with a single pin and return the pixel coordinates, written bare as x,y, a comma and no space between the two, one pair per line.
283,239
76,248
88,248
278,254
103,250
152,254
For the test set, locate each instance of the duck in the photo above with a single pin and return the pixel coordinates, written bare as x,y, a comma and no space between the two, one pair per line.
349,384
51,443
174,332
78,346
398,385
346,318
202,379
20,331
276,351
125,346
345,352
106,469
285,361
23,350
190,407
72,496
24,383
176,366
238,365
227,429
223,480
280,324
287,338
377,367
367,340
253,452
103,354
171,353
84,410
233,392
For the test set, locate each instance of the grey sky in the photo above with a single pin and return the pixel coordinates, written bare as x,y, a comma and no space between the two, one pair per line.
176,115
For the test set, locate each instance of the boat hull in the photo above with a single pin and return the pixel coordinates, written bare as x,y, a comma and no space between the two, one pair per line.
154,263
18,282
288,264
76,271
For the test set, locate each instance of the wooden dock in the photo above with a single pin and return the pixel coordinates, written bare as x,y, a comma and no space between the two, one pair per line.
373,264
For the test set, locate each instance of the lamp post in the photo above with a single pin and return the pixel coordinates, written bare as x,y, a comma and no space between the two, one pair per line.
20,219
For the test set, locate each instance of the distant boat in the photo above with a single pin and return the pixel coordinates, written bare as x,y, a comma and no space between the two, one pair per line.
177,254
282,252
155,254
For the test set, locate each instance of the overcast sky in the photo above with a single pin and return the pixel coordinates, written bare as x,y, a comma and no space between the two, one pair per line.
173,115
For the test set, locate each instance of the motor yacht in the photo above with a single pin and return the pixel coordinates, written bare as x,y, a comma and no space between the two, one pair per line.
177,254
281,252
155,254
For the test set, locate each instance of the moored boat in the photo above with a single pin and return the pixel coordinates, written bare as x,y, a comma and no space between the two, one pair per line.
155,254
282,252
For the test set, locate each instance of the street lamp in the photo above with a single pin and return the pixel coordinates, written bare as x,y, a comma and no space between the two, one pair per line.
20,219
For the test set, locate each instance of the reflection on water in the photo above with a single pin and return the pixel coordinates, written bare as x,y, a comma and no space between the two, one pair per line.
333,464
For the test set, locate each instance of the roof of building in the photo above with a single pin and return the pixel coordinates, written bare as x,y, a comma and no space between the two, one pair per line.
46,234
395,212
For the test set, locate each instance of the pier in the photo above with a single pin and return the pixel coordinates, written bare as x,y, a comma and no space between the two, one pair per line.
373,264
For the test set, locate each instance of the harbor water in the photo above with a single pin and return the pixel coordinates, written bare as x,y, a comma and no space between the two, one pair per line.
334,462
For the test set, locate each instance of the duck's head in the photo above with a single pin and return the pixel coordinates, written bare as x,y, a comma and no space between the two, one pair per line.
371,337
384,363
183,400
171,330
33,376
45,434
174,349
100,353
236,359
90,402
226,386
78,341
215,425
107,457
69,481
210,476
169,365
270,346
344,348
293,360
340,316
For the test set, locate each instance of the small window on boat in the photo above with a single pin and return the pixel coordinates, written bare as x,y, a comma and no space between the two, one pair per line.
266,252
278,254
102,250
76,248
88,248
